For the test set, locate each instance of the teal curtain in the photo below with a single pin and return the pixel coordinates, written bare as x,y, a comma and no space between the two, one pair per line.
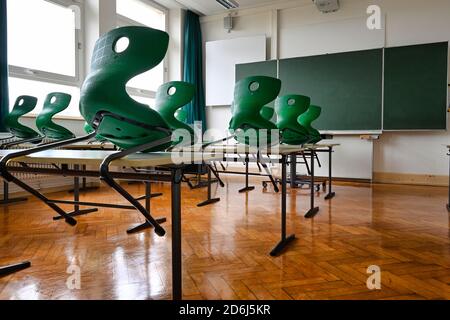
4,96
193,67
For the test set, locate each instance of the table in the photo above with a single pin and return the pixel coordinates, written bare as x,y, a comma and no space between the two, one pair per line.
96,158
292,151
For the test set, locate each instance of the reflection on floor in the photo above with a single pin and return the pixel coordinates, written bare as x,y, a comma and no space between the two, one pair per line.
404,230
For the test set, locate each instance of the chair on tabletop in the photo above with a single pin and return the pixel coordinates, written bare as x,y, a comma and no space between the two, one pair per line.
54,104
115,116
251,95
21,133
289,109
306,120
267,113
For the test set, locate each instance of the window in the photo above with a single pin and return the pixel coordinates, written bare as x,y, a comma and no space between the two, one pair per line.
144,13
44,49
40,90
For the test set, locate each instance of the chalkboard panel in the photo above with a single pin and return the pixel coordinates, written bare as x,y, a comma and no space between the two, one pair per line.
263,68
415,94
348,87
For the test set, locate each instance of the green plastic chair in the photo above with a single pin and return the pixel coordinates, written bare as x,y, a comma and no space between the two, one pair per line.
289,108
267,113
54,103
306,121
170,97
104,90
250,96
22,106
87,128
181,115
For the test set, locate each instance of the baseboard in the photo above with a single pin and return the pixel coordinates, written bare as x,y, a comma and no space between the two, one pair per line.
410,179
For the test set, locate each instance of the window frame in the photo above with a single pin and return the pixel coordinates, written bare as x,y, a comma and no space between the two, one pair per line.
50,77
125,21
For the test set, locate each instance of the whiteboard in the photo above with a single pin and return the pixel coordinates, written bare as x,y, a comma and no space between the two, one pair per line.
221,59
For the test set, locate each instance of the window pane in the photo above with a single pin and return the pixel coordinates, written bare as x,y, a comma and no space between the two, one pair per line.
151,80
19,87
41,36
142,12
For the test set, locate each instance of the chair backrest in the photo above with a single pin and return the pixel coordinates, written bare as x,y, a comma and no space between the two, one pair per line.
289,108
170,97
181,115
306,120
54,103
22,106
267,113
250,96
119,56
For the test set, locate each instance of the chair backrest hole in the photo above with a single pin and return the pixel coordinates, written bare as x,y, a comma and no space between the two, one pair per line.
121,44
254,86
118,129
172,91
53,100
21,102
291,102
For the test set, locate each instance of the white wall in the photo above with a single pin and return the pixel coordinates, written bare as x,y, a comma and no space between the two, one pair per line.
297,28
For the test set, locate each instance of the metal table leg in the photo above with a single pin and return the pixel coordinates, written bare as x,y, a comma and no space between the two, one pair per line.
177,277
148,196
210,200
285,240
247,187
7,270
293,173
76,196
313,210
6,199
330,194
84,186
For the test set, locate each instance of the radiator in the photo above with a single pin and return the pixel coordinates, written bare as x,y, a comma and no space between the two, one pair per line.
39,182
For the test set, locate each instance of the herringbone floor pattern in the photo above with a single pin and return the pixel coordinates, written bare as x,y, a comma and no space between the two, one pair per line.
403,230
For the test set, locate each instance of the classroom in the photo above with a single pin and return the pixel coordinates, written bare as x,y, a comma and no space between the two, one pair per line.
224,150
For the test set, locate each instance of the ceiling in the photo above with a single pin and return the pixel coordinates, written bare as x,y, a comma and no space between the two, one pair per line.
210,7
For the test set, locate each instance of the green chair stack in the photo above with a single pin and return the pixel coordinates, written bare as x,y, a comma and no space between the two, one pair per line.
181,115
105,104
306,120
22,106
267,113
54,103
289,108
250,96
170,97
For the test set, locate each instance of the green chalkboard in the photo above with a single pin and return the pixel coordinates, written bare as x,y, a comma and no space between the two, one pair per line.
348,87
264,68
415,93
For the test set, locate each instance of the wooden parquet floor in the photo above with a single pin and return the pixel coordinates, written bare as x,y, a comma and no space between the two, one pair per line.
402,229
